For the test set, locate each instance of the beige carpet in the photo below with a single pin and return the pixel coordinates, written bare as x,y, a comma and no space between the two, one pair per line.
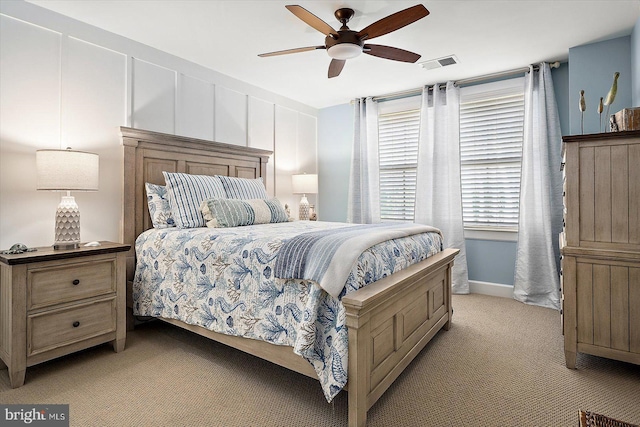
501,364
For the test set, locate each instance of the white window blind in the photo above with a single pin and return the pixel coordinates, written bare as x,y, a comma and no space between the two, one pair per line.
491,132
398,134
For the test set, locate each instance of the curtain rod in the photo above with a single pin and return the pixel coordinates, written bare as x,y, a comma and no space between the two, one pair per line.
471,80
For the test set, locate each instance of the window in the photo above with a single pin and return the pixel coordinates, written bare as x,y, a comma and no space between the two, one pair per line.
491,132
398,133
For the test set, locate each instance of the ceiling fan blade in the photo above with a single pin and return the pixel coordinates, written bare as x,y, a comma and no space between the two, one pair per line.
393,22
388,52
311,19
336,67
287,51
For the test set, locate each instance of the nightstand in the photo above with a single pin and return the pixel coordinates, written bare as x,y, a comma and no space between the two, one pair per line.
56,302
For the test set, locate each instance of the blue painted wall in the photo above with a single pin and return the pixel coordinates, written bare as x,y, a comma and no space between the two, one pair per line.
591,69
491,261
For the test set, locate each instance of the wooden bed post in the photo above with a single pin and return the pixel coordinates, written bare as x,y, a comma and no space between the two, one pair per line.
359,369
447,295
389,322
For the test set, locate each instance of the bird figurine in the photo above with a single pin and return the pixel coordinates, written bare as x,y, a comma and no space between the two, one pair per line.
611,96
600,109
583,107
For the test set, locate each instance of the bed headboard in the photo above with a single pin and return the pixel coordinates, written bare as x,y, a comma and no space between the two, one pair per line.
147,154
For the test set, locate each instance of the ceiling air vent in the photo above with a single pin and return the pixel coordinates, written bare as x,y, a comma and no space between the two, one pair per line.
439,62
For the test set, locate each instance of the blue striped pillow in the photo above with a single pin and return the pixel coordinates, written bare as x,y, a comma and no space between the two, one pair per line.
243,188
236,213
186,192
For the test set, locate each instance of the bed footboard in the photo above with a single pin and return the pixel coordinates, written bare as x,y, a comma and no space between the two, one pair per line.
389,322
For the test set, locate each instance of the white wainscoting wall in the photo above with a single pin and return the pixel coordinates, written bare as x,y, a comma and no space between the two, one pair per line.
66,83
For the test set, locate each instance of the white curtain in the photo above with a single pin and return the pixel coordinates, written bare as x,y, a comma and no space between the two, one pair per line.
540,219
438,188
364,181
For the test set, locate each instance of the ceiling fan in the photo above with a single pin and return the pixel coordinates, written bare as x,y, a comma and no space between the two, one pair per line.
346,44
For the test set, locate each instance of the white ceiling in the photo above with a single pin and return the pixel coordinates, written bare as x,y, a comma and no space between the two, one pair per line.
227,36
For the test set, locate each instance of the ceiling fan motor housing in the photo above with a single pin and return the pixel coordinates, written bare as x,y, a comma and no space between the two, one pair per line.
346,45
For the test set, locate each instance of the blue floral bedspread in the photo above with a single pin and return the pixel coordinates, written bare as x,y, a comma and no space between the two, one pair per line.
222,280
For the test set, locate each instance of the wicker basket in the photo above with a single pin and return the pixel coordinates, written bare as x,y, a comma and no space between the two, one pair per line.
590,419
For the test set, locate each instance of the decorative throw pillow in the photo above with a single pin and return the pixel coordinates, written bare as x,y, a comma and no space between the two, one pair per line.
186,192
159,207
236,213
243,188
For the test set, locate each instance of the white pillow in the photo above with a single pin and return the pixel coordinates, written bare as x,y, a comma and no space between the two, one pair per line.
186,193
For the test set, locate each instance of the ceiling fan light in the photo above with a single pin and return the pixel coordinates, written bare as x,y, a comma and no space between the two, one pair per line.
344,51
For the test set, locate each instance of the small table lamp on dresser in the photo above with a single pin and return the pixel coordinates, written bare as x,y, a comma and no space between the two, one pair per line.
304,184
67,170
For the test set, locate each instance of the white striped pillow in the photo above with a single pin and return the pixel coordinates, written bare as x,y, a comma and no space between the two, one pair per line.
243,188
186,192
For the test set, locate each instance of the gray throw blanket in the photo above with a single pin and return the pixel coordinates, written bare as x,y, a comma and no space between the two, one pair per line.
327,256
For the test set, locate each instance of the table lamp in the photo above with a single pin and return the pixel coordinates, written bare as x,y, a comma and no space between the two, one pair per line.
304,184
67,170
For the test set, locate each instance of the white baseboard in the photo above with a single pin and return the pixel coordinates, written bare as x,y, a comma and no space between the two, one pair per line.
493,289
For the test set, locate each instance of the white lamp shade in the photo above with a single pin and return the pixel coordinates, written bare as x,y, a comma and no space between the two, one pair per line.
67,170
305,183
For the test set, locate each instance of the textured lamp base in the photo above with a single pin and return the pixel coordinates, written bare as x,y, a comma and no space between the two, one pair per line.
303,210
67,224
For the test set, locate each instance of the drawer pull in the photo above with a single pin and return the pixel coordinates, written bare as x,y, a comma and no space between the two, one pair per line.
76,282
76,324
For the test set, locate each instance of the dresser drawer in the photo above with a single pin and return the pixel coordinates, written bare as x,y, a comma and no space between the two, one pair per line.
52,329
52,285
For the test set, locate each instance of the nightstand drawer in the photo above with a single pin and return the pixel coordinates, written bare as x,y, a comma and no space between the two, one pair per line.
53,329
52,285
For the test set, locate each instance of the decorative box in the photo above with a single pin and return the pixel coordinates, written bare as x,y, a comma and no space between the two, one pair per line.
627,119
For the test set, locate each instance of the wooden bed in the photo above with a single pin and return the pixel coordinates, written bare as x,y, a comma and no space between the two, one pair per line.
389,321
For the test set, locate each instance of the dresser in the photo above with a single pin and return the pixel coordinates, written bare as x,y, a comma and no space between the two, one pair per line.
600,246
55,302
